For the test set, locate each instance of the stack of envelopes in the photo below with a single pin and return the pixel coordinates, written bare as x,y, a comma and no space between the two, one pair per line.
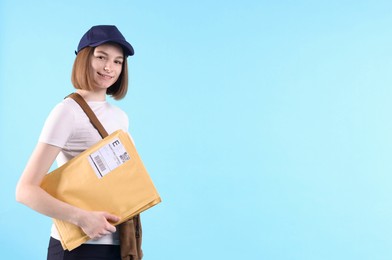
109,176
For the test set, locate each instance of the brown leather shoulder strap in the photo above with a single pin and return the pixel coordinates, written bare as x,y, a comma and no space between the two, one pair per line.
130,230
90,113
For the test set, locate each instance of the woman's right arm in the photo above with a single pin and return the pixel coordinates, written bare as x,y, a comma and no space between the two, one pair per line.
29,192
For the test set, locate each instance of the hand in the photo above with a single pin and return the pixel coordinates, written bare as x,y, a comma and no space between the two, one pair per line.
96,224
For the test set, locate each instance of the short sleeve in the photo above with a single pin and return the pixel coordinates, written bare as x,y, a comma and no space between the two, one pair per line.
58,126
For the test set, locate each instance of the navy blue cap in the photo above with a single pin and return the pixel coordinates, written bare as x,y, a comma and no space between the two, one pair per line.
101,34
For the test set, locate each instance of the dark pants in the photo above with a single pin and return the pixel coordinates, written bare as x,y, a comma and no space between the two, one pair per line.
83,252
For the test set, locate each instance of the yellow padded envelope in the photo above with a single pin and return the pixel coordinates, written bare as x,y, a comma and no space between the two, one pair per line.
109,176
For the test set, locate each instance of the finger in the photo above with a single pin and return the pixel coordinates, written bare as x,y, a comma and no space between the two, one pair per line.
96,237
100,235
111,228
104,233
111,218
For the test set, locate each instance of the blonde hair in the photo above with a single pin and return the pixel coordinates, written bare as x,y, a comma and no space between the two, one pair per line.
81,75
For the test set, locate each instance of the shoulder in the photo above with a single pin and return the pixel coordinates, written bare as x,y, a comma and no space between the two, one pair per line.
64,110
66,105
70,105
59,124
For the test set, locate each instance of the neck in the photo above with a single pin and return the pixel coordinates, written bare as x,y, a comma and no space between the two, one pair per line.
92,95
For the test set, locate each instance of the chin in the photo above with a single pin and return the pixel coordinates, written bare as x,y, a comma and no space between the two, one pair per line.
104,86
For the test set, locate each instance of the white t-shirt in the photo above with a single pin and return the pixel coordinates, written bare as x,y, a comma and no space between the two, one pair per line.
69,128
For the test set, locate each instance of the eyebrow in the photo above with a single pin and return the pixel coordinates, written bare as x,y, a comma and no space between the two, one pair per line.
118,57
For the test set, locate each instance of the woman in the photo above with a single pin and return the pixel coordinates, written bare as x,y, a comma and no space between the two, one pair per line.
100,68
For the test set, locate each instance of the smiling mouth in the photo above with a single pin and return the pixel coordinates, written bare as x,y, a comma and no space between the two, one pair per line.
104,76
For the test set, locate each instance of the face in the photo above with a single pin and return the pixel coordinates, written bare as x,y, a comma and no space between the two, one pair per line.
106,65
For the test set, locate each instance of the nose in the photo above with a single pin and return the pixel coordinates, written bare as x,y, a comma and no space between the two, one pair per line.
108,66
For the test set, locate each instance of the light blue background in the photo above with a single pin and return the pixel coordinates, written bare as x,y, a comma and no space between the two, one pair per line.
265,125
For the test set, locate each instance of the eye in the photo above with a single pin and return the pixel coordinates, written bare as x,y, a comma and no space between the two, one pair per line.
100,57
118,62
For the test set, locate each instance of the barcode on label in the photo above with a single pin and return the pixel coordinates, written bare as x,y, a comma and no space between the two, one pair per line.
101,166
108,157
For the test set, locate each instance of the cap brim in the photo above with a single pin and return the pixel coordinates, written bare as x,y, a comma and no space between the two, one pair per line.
128,49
